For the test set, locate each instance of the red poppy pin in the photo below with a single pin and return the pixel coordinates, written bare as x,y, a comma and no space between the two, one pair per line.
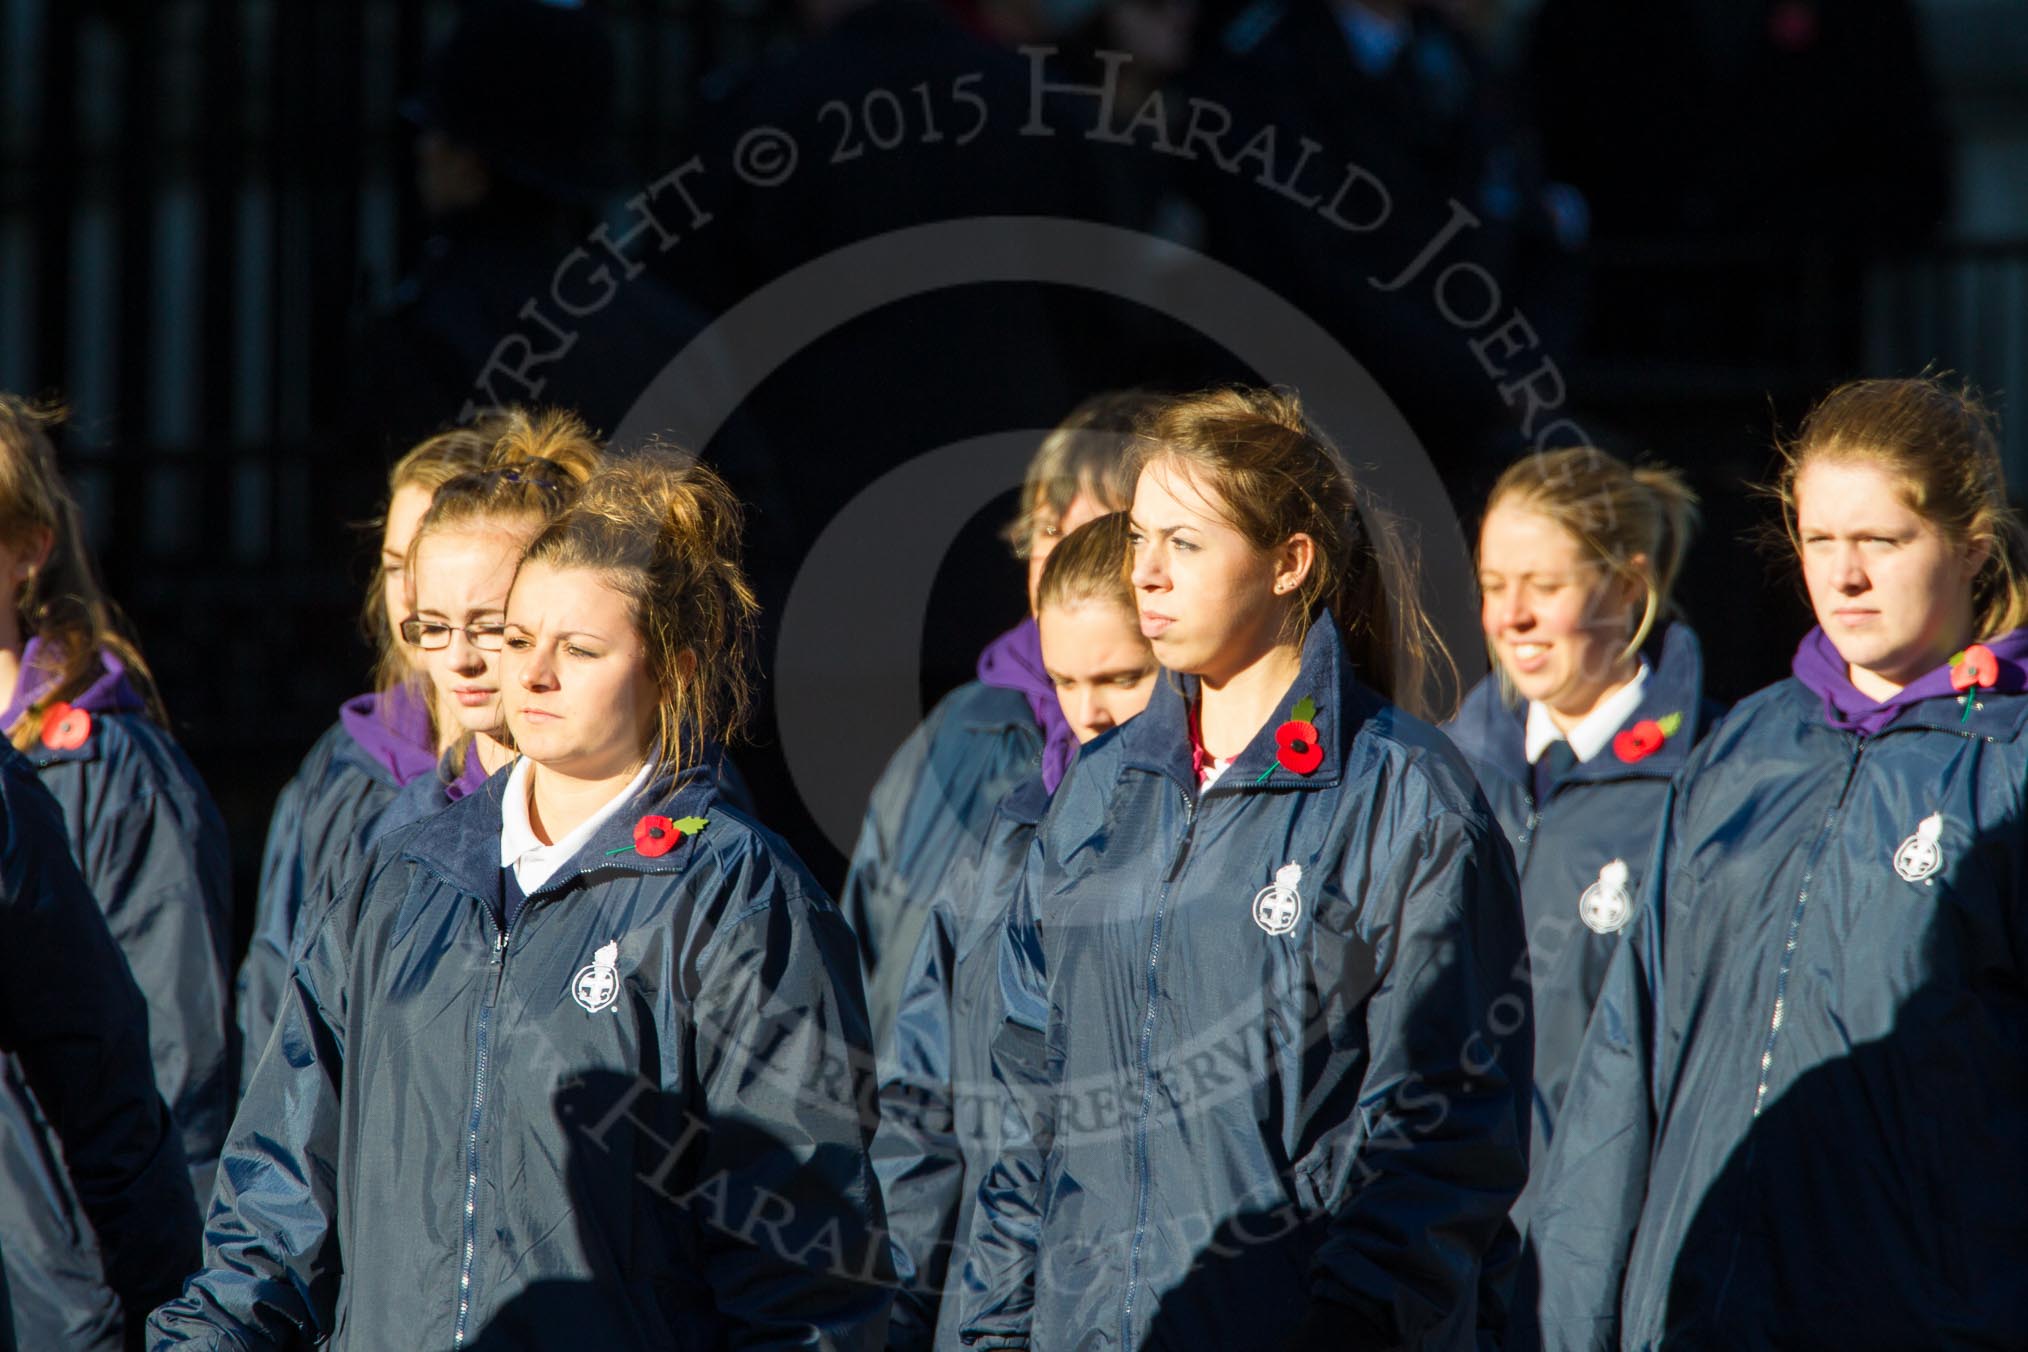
1976,665
655,836
1646,737
65,727
1296,746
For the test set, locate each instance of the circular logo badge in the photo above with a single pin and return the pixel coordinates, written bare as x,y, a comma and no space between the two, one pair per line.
1276,908
595,987
1922,853
1605,910
1607,905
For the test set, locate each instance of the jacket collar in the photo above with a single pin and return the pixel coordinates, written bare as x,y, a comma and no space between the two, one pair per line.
1996,715
465,850
1494,731
2001,717
1675,686
1158,741
1027,802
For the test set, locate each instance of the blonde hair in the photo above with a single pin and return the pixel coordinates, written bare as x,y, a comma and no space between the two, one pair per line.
1636,522
1277,475
61,603
1092,563
664,532
533,470
428,465
1943,444
1092,449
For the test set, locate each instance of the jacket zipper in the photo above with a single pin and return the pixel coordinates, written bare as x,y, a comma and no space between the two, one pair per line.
499,965
1147,1078
1774,1023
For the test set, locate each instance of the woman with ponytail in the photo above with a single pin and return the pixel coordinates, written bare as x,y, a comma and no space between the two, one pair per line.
1594,702
459,566
582,1059
1272,1088
1798,1115
326,813
81,705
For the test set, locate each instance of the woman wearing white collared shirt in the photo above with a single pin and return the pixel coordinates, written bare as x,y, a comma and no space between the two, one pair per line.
1592,704
579,1060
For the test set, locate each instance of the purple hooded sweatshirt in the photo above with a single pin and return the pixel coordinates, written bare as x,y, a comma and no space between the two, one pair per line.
469,780
1013,661
394,729
109,693
1818,666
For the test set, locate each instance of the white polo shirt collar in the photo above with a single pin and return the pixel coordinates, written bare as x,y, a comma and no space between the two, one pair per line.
533,862
1592,735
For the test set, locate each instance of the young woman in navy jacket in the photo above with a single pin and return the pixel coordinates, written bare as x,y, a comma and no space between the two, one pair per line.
937,794
582,1059
1285,1045
938,1132
74,1028
1594,702
1800,1110
80,705
326,813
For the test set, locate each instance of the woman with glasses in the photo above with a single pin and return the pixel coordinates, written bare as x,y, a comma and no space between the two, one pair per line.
381,741
580,1061
460,564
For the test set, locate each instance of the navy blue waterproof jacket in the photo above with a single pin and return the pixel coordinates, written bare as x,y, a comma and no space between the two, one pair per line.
1285,1039
318,831
424,796
75,1030
932,803
1800,1114
631,1112
152,849
939,1112
1601,811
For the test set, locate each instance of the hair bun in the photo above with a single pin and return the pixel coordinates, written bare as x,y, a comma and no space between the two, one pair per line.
548,441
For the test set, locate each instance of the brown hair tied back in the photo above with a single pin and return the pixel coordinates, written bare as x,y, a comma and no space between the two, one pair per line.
1635,522
1942,443
61,603
1277,475
1092,563
1091,450
664,531
532,471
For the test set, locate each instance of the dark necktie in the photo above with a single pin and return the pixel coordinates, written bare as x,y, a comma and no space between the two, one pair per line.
1554,764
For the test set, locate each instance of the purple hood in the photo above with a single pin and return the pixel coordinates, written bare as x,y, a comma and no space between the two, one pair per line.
109,693
468,780
393,729
1818,666
1013,661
